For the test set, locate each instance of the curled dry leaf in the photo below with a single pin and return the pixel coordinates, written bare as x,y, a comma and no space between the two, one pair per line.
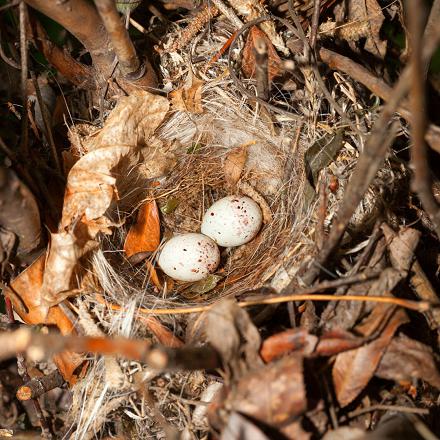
365,18
234,164
231,332
92,185
273,60
25,295
353,369
144,235
272,394
189,97
406,359
19,214
293,339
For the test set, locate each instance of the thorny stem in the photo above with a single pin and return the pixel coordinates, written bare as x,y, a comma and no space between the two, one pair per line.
422,182
124,49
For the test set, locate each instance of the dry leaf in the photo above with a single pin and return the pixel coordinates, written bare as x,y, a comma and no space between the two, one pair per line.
231,332
365,18
19,213
234,164
272,394
407,359
287,341
92,186
248,62
189,97
153,275
353,369
144,235
253,9
164,336
25,294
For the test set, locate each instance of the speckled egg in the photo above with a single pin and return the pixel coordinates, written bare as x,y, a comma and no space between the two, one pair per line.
189,257
232,221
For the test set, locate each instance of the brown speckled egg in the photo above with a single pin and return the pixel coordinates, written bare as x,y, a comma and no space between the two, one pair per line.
189,257
232,221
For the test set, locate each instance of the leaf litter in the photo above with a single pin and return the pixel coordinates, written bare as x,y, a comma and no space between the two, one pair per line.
151,171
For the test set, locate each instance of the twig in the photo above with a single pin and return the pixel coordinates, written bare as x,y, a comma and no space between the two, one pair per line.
24,144
366,168
228,13
309,55
261,68
38,386
22,371
124,49
303,295
47,125
6,59
38,346
422,181
397,408
378,86
199,21
237,81
10,5
315,23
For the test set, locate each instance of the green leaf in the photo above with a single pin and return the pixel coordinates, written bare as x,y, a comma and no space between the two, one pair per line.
170,205
202,286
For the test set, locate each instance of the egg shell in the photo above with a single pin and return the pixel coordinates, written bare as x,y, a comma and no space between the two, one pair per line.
232,221
189,257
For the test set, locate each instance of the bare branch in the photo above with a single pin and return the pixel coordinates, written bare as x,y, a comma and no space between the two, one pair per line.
422,182
128,60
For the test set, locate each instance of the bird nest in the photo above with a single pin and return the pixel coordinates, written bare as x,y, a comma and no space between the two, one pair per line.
212,142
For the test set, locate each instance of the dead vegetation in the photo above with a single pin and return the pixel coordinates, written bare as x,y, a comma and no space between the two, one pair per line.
324,325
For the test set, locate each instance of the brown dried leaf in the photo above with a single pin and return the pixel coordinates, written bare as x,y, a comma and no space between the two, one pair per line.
19,213
234,164
272,394
337,341
91,186
295,339
365,18
353,369
25,294
248,60
144,235
406,359
231,332
189,97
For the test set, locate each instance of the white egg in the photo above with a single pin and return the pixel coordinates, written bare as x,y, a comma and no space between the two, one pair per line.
189,257
232,221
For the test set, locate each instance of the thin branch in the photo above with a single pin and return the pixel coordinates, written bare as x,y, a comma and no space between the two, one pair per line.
24,144
39,346
422,181
124,49
81,19
47,125
315,23
38,386
22,371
